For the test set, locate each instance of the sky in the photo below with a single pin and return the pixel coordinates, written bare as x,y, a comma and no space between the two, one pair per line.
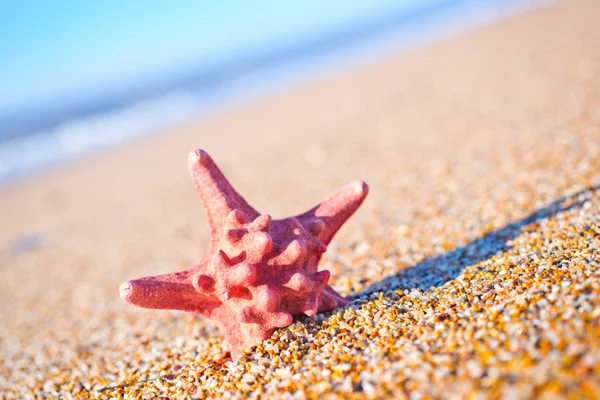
58,49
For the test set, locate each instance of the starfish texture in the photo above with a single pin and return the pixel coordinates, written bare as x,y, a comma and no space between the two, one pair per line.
258,273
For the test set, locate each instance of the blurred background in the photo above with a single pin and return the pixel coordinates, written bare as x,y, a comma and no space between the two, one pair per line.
79,76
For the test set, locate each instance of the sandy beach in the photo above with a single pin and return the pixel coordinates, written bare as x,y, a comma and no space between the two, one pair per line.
473,264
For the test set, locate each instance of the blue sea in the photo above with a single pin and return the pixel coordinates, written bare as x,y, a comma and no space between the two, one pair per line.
42,135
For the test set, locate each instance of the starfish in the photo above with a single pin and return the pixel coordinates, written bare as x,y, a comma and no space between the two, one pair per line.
257,273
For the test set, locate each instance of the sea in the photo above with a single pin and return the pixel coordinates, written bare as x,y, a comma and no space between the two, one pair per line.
37,142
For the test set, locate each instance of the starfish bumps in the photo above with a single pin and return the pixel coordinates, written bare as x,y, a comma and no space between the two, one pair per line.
258,272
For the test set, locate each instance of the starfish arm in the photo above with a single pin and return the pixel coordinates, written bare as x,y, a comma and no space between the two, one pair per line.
169,292
331,299
217,194
334,211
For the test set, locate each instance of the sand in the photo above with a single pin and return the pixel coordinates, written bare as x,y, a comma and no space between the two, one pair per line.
473,265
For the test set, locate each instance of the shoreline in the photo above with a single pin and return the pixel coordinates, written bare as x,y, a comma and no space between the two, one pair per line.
90,132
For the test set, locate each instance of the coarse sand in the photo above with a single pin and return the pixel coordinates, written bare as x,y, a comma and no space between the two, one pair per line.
473,265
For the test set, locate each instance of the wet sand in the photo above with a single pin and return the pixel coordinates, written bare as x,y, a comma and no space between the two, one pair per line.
473,264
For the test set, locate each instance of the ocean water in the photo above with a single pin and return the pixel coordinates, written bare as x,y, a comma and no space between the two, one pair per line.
27,148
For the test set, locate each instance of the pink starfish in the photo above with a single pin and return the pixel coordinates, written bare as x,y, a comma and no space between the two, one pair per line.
257,272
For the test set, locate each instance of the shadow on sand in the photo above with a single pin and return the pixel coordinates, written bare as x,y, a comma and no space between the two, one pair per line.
436,271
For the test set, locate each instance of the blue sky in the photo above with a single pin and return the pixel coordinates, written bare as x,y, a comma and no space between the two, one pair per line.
59,48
